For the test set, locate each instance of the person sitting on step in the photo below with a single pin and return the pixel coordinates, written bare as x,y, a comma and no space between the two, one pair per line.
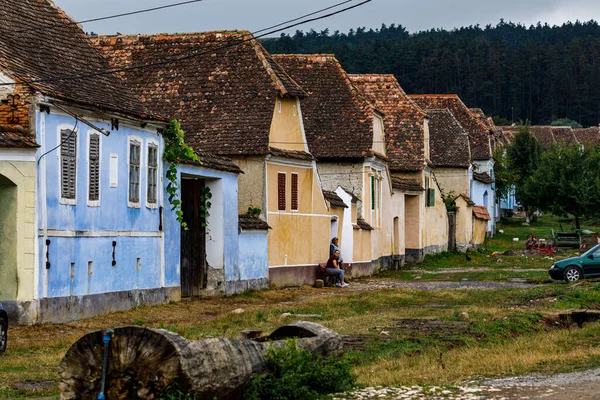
333,268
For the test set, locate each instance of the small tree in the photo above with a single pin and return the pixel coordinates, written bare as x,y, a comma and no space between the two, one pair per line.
566,122
523,158
504,173
567,182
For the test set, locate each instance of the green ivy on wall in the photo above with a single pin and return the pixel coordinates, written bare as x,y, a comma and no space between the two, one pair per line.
177,151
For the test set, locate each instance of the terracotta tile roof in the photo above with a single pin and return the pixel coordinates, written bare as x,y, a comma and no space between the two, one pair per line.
467,199
297,154
364,225
479,132
482,213
406,185
39,41
224,98
211,161
250,222
333,199
338,121
16,136
588,136
403,119
544,135
564,135
483,177
449,142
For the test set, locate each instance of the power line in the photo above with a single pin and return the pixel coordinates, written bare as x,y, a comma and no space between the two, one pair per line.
122,14
304,16
193,54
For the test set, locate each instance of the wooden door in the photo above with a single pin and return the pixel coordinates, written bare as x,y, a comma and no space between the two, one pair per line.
452,231
193,240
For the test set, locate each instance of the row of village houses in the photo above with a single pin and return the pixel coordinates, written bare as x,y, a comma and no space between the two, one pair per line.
86,223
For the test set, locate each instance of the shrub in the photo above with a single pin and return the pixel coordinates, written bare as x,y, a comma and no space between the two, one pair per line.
296,375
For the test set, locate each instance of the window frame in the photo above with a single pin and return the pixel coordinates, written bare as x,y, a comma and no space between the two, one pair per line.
130,203
153,143
59,129
284,174
94,203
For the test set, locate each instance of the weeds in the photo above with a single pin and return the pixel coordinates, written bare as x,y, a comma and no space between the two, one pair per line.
295,374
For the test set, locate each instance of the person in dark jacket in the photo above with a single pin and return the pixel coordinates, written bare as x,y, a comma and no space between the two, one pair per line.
333,268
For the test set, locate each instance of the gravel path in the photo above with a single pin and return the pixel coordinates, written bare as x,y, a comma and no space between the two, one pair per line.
439,285
582,385
473,269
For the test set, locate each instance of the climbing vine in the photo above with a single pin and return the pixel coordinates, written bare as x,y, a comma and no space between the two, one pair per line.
177,151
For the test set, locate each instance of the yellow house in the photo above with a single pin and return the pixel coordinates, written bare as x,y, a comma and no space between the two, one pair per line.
422,219
239,103
17,214
346,134
451,159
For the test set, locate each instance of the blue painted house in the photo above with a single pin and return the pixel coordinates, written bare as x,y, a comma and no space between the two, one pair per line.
86,224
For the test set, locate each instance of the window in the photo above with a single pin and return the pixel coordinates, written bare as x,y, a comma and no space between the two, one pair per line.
281,191
295,111
279,106
372,193
429,194
134,171
294,192
68,164
152,173
94,168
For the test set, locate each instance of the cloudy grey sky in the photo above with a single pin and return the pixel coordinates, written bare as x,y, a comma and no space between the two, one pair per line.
257,14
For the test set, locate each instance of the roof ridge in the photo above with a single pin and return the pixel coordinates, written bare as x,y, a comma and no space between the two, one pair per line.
176,34
267,58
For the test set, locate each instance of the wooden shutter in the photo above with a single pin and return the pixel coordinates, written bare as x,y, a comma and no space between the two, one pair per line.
94,165
431,197
134,171
281,191
68,163
295,192
152,173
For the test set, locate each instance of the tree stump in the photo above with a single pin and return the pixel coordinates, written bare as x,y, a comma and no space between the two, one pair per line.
143,362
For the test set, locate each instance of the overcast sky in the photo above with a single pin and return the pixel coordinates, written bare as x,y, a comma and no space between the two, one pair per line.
257,14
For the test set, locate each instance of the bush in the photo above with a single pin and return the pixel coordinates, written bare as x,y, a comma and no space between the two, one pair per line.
296,375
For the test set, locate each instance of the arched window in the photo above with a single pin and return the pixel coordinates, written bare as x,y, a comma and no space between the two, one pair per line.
485,199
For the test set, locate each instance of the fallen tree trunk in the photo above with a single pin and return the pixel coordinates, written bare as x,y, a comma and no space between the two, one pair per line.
144,362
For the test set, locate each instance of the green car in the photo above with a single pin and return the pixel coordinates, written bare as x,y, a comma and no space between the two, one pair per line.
573,269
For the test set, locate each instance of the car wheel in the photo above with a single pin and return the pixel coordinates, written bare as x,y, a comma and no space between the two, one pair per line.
3,335
573,274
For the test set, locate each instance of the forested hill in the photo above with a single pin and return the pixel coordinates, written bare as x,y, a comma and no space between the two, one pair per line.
543,72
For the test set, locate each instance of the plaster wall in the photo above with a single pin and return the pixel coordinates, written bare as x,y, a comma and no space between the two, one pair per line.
347,241
488,166
382,218
81,234
362,246
253,256
251,184
479,231
399,231
479,190
453,180
378,135
17,230
286,127
435,225
299,237
347,175
464,225
222,245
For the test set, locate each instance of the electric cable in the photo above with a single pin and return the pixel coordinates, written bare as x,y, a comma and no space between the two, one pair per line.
125,14
63,142
184,57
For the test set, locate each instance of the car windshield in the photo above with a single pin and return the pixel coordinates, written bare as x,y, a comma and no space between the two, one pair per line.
591,251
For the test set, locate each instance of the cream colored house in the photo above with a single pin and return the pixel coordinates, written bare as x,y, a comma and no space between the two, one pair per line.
347,136
422,219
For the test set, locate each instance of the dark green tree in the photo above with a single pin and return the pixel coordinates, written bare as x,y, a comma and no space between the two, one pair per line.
567,182
523,158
